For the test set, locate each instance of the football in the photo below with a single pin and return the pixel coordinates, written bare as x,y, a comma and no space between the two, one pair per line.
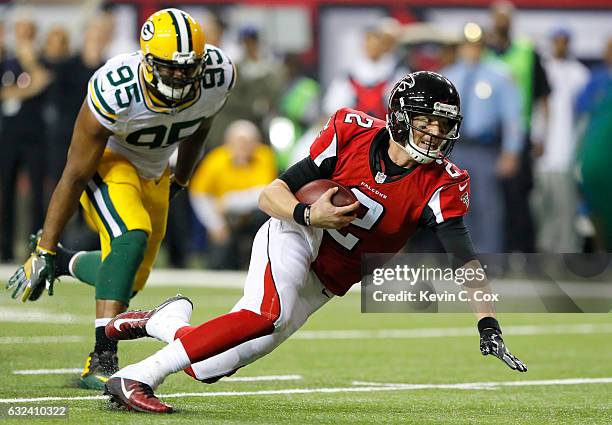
313,190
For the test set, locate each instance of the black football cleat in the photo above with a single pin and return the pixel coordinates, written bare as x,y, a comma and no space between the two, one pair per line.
134,395
98,368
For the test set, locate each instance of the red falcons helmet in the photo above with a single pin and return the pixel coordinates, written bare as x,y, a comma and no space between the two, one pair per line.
428,94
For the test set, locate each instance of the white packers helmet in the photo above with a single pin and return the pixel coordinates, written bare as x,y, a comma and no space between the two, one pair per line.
173,53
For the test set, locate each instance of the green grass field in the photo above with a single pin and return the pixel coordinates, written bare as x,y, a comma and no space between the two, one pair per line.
329,378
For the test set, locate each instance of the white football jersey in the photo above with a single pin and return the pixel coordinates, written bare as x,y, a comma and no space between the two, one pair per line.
144,131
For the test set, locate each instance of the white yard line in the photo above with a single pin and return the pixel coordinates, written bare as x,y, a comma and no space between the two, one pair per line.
64,371
450,332
353,389
71,370
584,328
38,315
488,385
60,339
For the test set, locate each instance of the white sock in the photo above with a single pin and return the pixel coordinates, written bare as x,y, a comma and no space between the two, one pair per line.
165,331
170,320
154,369
102,322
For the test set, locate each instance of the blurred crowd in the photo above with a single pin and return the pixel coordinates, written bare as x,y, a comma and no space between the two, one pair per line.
536,133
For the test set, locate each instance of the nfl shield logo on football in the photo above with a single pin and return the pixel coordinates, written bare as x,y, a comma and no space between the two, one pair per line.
380,177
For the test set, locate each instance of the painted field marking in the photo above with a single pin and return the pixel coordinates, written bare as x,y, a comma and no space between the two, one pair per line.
489,385
332,390
38,315
585,328
71,370
59,339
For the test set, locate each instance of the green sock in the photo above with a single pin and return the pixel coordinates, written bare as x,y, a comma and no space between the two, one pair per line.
116,274
86,266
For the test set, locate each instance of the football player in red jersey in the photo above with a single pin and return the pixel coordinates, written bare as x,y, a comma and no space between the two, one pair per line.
399,172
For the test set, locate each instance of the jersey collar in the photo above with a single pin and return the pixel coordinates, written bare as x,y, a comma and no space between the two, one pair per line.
381,164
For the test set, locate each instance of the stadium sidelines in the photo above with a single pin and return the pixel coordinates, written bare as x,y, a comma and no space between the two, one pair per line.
354,389
416,333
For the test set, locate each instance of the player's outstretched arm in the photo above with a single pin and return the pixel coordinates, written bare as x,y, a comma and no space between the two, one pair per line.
86,148
456,241
491,341
89,139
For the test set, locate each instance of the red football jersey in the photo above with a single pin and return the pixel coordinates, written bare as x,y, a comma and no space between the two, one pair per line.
394,206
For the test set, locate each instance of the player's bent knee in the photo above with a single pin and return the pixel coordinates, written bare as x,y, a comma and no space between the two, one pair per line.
118,270
132,244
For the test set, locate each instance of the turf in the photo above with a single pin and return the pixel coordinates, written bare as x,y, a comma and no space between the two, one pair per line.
327,363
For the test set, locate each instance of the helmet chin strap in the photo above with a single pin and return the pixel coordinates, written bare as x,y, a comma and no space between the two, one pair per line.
416,153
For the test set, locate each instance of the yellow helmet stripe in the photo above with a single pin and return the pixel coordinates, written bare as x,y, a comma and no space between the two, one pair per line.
181,26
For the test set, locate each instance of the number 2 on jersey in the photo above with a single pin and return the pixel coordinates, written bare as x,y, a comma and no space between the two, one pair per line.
352,117
367,222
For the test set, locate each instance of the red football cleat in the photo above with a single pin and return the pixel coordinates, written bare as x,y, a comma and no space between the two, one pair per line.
135,395
132,324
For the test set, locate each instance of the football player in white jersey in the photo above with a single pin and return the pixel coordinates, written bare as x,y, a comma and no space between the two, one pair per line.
140,108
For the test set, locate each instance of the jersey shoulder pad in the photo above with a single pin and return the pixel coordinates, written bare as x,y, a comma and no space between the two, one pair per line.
113,88
451,172
220,71
350,123
448,193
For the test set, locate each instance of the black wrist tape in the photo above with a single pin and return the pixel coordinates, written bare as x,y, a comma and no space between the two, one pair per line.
488,323
298,213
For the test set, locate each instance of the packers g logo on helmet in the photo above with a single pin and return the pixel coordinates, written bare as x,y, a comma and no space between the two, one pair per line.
173,54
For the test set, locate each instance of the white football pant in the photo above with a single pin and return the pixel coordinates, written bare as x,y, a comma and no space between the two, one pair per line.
290,248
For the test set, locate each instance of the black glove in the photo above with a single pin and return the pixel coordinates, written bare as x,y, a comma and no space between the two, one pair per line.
175,187
491,342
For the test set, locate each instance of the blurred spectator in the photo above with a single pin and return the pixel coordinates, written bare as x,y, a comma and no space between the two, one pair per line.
63,100
367,82
429,46
596,149
598,86
65,94
299,104
115,38
58,117
23,81
491,137
224,191
526,67
257,90
554,197
213,28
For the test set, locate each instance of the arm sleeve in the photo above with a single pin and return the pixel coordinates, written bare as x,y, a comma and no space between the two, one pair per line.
101,103
453,235
306,171
204,209
321,162
242,201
